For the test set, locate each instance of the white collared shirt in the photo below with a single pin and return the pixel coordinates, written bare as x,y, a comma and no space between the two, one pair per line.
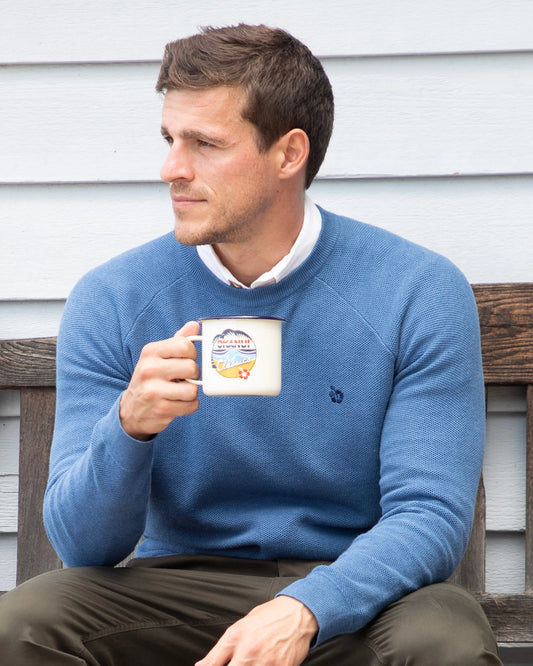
301,249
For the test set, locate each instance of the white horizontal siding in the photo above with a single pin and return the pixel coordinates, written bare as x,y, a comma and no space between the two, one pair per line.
80,158
8,561
408,116
505,466
29,319
60,30
505,568
9,435
9,450
9,407
51,235
8,502
484,225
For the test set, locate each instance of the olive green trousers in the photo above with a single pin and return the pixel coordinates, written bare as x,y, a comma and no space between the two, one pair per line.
172,610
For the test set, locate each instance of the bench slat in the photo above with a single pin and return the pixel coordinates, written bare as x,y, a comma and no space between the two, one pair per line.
529,493
506,320
35,554
29,362
510,616
471,572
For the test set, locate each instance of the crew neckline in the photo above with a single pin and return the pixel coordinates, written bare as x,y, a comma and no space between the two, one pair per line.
269,295
300,251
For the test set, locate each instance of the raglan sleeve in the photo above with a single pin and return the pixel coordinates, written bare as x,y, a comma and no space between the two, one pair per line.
99,478
431,454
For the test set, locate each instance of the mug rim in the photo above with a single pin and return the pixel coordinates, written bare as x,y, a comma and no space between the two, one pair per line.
240,317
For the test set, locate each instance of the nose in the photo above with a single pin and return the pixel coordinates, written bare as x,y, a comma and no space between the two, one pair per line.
177,166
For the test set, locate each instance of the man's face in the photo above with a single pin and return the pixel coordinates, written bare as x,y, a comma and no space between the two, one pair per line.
222,187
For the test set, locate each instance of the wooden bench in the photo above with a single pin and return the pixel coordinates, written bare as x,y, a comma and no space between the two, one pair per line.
506,316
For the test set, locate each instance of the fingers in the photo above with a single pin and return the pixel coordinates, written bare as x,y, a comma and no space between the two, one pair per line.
277,632
220,655
156,393
168,360
190,328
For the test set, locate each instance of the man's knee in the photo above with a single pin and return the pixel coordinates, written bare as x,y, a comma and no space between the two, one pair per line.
31,607
439,625
36,615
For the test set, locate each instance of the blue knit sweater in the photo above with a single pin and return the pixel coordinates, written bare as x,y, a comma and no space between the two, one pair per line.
369,457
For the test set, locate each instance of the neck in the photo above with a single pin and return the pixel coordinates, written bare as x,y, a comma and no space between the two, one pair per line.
251,258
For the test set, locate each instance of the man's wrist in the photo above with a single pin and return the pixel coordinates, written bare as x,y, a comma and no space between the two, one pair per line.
308,622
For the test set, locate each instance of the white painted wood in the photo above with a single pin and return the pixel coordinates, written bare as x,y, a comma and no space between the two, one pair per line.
88,123
9,404
28,319
505,572
395,116
107,30
8,561
77,228
482,224
505,471
9,444
435,115
8,503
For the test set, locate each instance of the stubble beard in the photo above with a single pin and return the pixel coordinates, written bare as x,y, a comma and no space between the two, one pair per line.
218,227
207,236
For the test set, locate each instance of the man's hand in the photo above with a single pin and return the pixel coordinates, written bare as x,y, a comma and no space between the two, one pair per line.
156,395
277,633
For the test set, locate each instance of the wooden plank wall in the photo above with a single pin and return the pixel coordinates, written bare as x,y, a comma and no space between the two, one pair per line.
432,140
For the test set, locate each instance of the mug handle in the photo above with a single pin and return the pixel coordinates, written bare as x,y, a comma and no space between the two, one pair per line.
194,338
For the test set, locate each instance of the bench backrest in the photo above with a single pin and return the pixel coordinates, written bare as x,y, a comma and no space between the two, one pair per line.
506,318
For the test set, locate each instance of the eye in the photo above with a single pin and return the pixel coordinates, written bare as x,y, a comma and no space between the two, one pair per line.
205,144
167,138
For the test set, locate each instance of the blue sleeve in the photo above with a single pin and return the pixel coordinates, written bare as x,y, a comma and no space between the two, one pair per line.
430,462
99,483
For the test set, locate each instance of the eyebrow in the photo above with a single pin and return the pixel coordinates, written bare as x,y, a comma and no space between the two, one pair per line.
197,134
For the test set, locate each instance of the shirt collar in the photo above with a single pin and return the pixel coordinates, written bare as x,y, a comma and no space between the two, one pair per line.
299,252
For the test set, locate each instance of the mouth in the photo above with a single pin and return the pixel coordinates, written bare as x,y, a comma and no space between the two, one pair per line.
183,201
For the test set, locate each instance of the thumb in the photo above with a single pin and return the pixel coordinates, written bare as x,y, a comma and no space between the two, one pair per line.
190,328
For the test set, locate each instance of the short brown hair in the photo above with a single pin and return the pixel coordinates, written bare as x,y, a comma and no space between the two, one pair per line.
286,85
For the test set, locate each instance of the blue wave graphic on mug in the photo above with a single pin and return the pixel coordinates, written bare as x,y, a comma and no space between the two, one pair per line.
233,354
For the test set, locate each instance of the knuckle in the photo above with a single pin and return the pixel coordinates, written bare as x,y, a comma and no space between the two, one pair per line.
232,634
190,391
145,394
148,350
186,348
253,649
161,411
147,369
190,369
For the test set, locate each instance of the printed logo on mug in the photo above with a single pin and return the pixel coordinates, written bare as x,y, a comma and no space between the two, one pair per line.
240,355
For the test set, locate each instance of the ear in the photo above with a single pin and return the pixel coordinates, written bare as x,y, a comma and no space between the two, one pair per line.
293,154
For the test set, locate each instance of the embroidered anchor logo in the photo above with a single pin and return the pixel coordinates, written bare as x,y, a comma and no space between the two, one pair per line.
336,395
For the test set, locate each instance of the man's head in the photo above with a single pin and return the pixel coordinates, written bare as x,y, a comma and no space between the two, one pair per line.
285,85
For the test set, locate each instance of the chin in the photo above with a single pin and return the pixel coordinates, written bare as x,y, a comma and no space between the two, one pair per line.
189,236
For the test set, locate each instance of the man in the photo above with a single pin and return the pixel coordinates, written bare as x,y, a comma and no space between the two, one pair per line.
314,527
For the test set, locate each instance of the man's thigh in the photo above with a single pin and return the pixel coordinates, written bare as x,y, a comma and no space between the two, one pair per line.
143,615
438,625
102,616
